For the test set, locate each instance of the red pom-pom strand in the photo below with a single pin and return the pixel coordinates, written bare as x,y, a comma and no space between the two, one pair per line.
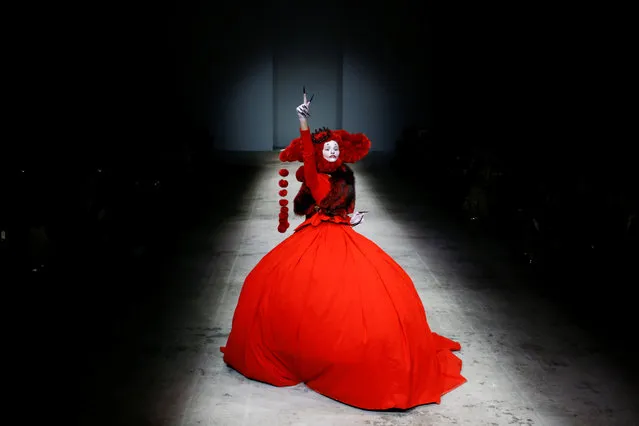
283,215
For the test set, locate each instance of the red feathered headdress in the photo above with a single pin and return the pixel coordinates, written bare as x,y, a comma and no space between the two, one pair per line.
352,146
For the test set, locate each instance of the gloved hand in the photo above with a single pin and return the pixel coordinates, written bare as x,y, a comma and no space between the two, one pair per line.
303,110
357,218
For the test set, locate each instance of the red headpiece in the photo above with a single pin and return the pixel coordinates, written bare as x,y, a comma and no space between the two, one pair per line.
352,148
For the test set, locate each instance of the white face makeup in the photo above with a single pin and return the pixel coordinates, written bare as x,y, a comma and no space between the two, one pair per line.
331,151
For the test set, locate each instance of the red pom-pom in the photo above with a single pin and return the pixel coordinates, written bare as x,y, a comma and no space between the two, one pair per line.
293,152
283,172
283,193
284,209
283,215
283,226
283,203
283,183
299,174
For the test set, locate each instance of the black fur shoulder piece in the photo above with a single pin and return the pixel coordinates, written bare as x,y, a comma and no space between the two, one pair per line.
340,197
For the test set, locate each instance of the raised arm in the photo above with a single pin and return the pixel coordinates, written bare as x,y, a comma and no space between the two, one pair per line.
308,152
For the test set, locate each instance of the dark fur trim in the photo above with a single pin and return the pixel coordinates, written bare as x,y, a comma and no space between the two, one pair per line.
340,200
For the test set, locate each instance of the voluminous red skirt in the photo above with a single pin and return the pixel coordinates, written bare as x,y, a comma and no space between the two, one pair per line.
329,308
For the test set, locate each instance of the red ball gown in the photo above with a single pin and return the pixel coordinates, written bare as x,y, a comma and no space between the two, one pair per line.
329,308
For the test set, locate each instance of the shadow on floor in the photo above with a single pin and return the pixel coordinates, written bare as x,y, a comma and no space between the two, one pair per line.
77,323
595,296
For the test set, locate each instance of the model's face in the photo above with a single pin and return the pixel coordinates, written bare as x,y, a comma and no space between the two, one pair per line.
331,151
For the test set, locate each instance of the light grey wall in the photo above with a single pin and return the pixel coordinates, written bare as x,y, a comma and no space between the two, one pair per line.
366,100
241,92
378,100
243,114
386,82
364,80
316,64
246,119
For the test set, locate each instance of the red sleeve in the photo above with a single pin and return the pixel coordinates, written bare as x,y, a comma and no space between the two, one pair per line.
319,184
310,169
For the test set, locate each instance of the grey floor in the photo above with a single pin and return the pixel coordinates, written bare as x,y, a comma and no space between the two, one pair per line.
525,361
